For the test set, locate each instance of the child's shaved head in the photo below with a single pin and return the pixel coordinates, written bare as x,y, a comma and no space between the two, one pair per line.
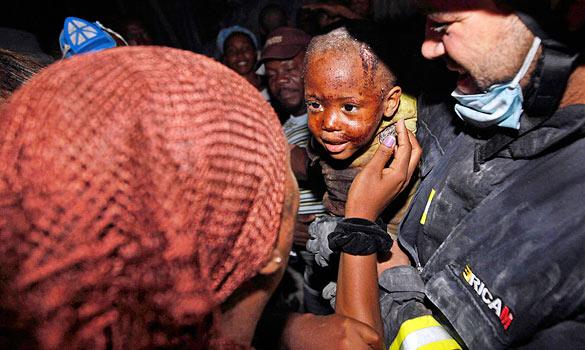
341,40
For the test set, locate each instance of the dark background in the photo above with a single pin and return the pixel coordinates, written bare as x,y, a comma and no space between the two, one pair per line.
186,24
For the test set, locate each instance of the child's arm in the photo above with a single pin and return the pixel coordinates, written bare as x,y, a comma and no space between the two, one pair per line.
299,162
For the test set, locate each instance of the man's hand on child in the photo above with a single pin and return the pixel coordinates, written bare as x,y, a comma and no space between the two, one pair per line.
377,185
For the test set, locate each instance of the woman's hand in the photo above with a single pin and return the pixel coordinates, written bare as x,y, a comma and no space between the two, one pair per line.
308,332
377,185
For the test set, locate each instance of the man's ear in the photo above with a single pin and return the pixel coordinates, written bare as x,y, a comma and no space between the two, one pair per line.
392,101
273,265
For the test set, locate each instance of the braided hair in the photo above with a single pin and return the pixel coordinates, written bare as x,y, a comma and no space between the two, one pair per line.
139,187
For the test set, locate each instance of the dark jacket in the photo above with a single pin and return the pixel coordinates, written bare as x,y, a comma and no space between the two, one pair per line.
501,245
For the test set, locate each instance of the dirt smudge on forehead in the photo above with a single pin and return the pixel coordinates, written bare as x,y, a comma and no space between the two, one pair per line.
369,64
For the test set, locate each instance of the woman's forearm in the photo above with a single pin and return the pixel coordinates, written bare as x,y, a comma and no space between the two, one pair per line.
357,290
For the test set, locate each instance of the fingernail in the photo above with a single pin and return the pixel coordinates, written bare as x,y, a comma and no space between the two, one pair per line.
389,141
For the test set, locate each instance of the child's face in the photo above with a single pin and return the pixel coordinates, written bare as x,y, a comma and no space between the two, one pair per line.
344,108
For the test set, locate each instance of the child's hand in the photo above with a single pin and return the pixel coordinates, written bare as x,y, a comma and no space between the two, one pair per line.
376,186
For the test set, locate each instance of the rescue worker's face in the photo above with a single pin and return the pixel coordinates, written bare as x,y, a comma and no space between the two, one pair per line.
484,43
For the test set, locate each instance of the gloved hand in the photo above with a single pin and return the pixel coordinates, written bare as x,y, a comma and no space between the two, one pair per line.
318,243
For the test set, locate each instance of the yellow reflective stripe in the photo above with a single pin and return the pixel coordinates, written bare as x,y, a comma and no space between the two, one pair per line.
410,326
447,344
423,218
421,332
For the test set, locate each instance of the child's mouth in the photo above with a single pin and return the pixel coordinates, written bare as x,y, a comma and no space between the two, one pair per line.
335,147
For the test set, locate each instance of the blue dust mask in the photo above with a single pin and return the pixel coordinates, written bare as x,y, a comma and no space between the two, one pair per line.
501,104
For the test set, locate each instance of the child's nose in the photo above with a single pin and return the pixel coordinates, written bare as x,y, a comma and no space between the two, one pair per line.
330,121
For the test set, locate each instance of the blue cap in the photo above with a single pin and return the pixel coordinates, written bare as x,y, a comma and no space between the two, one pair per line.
81,36
226,32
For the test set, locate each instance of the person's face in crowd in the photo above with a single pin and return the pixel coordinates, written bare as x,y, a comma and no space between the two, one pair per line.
483,43
360,7
345,103
285,82
271,21
240,54
136,34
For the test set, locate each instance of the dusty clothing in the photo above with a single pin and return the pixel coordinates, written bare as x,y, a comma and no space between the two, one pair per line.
497,229
338,176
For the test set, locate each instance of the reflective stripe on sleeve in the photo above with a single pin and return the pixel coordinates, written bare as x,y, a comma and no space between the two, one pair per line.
423,333
423,218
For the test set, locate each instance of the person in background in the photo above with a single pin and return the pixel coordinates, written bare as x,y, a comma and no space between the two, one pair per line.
238,47
271,16
334,14
134,31
283,56
15,70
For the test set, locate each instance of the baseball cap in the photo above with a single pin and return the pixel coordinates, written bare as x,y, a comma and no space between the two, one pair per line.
284,43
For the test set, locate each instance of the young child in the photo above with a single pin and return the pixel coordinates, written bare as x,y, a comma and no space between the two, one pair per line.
351,97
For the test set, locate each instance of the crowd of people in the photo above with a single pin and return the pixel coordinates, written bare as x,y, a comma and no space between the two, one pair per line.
307,187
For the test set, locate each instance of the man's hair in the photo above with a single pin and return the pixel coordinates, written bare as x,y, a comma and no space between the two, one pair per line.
15,70
341,40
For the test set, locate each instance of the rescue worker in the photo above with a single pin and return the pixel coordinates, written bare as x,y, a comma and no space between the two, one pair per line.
496,229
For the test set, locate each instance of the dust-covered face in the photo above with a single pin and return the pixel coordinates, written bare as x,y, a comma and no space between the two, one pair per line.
344,102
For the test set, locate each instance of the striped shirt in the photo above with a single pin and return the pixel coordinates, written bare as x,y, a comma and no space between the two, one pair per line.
297,133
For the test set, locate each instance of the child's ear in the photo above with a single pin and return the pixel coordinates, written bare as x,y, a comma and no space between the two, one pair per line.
392,101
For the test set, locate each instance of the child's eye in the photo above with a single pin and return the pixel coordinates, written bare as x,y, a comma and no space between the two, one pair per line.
349,108
313,106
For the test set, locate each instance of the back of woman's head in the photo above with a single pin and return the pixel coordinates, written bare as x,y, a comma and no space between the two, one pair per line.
139,187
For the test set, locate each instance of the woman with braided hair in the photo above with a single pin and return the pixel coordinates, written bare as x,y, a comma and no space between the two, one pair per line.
143,192
147,201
